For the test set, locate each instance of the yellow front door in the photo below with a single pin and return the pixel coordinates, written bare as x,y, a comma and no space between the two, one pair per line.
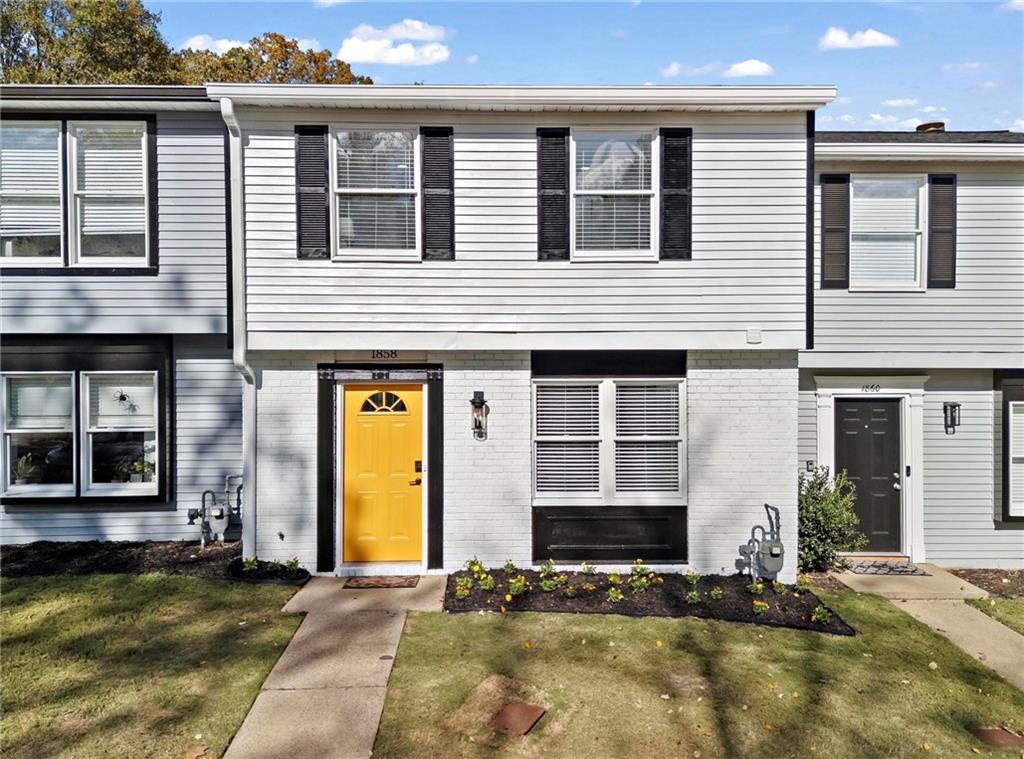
382,517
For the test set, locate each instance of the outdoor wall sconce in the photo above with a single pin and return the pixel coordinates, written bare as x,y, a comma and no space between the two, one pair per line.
480,413
951,416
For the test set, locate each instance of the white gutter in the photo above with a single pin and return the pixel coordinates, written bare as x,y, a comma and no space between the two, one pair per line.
239,327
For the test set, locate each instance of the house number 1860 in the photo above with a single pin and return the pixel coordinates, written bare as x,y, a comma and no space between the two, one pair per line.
870,388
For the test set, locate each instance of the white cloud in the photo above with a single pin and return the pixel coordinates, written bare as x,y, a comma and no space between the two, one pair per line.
474,58
837,38
1013,5
749,67
825,119
847,119
206,42
989,85
879,119
911,123
327,3
900,103
648,84
934,109
368,44
309,44
681,69
888,121
967,67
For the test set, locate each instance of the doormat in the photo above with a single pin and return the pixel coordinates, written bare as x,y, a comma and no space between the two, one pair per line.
883,567
382,581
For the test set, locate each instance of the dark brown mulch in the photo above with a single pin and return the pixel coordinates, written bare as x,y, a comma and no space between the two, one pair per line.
271,572
1006,583
791,609
183,557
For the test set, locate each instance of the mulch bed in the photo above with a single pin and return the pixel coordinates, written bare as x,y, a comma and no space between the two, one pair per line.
1005,583
791,609
183,557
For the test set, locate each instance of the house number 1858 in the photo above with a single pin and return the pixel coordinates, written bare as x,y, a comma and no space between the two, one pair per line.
870,388
384,354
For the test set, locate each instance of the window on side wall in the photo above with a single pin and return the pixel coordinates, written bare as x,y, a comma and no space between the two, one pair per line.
376,202
609,441
614,203
887,232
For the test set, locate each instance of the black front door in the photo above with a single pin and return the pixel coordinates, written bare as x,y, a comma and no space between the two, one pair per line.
868,448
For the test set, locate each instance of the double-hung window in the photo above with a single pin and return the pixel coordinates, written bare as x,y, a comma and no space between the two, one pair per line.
609,441
887,225
103,440
614,203
375,194
1015,465
74,193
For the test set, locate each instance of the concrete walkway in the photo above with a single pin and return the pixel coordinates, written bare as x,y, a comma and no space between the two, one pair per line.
325,695
939,602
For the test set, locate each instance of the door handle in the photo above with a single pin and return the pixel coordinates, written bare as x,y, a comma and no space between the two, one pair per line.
896,486
417,481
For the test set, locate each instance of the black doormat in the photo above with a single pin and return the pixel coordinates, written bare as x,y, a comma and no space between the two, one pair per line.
382,581
883,567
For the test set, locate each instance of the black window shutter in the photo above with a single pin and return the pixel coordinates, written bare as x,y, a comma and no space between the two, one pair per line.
312,192
438,181
553,194
942,230
676,195
835,231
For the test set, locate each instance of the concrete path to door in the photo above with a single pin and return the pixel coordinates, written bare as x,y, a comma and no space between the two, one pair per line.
939,602
325,695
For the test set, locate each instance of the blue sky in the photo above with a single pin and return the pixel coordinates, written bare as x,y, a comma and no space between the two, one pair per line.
895,63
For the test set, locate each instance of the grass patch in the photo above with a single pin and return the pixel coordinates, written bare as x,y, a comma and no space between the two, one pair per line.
733,689
121,665
1009,611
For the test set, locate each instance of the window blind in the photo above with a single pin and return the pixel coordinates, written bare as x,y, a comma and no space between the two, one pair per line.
30,190
122,401
39,402
885,231
1016,463
647,444
567,445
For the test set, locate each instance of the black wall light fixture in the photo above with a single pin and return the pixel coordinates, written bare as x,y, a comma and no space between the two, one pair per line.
480,413
951,416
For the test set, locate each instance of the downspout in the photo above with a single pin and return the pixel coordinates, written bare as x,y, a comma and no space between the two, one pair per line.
241,337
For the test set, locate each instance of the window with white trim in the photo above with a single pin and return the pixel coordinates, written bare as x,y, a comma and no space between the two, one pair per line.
114,447
609,441
375,194
1016,463
887,223
30,193
614,202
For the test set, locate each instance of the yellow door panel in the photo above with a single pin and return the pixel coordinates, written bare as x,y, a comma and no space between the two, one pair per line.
382,513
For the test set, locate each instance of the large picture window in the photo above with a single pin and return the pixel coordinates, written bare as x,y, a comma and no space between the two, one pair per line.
375,195
611,441
75,193
887,220
613,179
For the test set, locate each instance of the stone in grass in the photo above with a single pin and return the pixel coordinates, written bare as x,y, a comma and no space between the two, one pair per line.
517,718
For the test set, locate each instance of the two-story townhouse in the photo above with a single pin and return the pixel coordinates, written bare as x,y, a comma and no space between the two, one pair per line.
120,402
915,384
518,322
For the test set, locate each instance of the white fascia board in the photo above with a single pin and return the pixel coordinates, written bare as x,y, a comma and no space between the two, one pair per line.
118,106
906,360
536,98
856,151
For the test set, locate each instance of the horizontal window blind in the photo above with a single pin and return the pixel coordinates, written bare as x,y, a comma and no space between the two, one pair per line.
567,410
613,161
565,464
567,467
1016,466
375,160
647,444
39,402
885,231
646,467
30,190
613,222
647,410
376,221
122,401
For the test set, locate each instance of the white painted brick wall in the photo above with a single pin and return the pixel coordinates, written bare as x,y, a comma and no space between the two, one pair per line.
741,444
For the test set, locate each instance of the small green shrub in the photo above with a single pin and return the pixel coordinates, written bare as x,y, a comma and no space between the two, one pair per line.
821,615
640,577
570,592
250,564
779,588
548,584
827,520
760,607
755,587
588,569
292,565
518,585
510,568
615,579
615,595
475,566
463,587
485,581
693,578
274,566
803,583
693,597
547,568
717,593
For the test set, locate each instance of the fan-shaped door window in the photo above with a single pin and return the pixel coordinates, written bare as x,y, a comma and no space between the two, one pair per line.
383,402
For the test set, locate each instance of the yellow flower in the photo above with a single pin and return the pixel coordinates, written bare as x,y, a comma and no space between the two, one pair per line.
508,596
527,645
503,609
657,643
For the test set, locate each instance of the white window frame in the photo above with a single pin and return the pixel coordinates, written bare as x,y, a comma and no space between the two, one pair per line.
52,261
1016,499
606,439
89,489
921,260
76,259
616,256
408,255
9,489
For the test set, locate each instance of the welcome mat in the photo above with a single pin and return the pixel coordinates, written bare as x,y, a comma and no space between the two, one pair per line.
904,568
382,581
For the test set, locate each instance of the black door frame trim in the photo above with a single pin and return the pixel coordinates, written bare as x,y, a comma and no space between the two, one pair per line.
328,376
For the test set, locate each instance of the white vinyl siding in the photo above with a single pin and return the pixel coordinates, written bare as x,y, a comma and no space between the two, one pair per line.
1016,463
107,211
375,197
614,209
38,434
887,231
608,441
30,193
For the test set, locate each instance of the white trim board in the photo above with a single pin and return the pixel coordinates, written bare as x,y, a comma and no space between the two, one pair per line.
910,391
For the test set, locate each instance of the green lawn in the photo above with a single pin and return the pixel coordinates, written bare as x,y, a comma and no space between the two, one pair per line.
1009,611
733,689
120,665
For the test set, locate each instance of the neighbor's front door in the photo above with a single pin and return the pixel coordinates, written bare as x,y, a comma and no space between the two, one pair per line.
868,448
382,515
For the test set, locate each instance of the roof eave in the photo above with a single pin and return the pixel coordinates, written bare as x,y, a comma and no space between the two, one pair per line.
901,151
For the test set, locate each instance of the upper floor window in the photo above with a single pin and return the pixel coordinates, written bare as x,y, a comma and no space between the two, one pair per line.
74,193
614,174
887,227
375,194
